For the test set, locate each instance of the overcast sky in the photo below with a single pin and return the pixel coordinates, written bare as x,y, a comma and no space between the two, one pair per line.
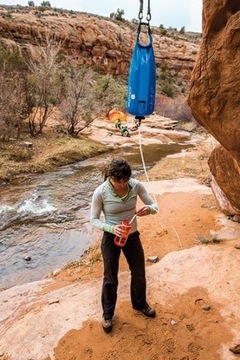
174,13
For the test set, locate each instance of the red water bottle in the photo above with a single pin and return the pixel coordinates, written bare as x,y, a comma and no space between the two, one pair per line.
121,240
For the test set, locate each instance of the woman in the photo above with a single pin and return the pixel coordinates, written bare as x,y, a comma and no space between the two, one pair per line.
116,198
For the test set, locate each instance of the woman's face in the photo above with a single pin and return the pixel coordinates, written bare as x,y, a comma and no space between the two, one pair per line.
119,184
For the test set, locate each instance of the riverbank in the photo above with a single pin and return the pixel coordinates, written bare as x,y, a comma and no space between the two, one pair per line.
193,285
19,158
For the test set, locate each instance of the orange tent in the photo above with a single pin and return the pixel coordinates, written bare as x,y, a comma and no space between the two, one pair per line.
115,114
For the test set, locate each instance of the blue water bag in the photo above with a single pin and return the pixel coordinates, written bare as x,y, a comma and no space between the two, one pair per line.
142,80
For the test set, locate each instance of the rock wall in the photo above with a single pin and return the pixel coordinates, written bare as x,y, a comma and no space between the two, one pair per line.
101,43
214,93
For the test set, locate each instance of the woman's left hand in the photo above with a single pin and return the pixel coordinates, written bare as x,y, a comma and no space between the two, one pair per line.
143,211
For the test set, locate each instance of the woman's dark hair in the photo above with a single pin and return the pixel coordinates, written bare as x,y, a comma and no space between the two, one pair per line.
119,169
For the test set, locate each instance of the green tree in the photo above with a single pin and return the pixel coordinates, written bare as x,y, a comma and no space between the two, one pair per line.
46,4
118,15
182,30
110,92
163,31
88,96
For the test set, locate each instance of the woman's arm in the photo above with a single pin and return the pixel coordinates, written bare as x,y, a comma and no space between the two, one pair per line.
147,200
95,212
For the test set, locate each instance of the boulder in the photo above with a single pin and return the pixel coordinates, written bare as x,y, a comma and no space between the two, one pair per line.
214,95
225,186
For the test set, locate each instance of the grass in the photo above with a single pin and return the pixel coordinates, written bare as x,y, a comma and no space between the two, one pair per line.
61,141
206,239
90,256
46,154
83,268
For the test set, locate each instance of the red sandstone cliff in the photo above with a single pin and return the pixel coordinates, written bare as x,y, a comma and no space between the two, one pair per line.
215,99
102,43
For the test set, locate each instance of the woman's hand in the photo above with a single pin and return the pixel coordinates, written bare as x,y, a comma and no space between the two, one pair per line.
143,211
118,230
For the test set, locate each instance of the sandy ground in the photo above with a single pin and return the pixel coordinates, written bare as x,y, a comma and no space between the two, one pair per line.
182,328
194,287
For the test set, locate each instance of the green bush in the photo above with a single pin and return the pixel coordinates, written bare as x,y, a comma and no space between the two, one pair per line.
167,89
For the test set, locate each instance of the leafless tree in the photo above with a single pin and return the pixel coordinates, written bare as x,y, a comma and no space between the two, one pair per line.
77,104
176,109
13,105
87,97
45,82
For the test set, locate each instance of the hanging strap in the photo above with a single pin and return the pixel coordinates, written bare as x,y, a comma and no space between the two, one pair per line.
140,14
148,18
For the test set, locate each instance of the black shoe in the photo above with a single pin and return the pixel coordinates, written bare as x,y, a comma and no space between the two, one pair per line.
107,325
148,311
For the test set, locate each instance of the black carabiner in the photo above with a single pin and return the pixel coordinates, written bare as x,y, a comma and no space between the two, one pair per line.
140,14
149,16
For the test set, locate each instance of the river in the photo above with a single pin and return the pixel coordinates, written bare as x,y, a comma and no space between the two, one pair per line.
45,221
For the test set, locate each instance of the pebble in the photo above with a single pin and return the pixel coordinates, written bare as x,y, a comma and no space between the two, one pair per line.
206,307
27,258
26,144
56,272
153,259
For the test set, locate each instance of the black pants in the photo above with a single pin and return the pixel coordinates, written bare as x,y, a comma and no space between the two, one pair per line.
133,251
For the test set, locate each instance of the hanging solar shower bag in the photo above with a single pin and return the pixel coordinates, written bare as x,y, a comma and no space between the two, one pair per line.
142,80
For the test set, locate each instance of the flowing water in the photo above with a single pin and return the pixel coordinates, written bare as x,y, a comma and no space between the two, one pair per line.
44,223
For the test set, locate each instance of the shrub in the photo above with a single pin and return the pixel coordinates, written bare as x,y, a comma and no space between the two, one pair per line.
19,154
167,89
